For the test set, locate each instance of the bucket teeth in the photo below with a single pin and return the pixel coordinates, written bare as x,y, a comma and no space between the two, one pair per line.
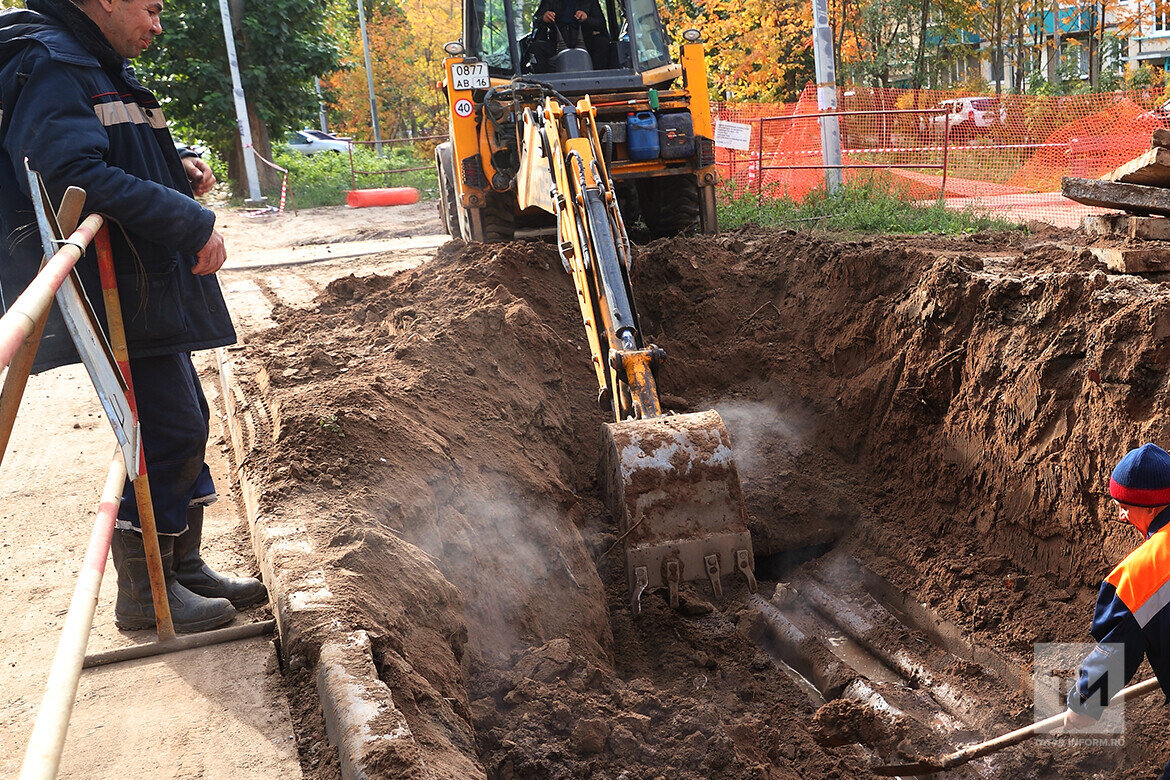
672,580
743,562
641,581
711,563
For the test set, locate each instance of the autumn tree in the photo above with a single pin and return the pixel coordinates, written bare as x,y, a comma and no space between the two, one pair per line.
406,47
758,50
283,45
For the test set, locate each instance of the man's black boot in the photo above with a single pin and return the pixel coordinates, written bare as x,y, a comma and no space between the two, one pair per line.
134,609
198,577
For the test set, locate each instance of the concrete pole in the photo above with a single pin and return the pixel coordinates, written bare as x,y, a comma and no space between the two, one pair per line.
321,105
242,123
370,78
827,93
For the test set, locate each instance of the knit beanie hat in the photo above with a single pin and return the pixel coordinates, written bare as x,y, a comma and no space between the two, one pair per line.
1142,478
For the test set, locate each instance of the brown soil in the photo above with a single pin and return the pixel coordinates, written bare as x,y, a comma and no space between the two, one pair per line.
947,409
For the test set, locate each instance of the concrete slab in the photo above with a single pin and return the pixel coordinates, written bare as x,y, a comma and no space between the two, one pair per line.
1132,198
1133,261
1151,168
1127,226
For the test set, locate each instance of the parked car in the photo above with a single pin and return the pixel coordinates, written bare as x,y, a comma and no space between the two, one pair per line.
314,141
966,117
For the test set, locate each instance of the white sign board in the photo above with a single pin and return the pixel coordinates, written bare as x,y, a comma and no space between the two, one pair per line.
88,338
733,135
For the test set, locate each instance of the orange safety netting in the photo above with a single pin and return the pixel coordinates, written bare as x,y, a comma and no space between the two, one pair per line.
1003,156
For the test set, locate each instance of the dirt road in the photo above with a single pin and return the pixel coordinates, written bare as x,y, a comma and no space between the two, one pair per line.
209,713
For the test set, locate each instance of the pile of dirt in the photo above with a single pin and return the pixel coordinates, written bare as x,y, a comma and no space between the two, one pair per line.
952,419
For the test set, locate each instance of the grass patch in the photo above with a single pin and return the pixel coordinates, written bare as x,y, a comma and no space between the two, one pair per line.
324,178
855,208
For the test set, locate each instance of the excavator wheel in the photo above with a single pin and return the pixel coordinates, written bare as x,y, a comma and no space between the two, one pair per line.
448,202
499,218
670,205
673,486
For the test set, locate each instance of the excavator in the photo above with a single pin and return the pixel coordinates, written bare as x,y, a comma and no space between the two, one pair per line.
584,147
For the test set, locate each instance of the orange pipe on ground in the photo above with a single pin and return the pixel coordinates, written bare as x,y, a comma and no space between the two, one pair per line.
386,196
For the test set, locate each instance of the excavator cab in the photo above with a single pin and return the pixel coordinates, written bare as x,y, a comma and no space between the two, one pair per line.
502,34
583,149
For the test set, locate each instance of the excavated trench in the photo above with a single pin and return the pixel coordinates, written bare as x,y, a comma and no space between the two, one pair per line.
922,426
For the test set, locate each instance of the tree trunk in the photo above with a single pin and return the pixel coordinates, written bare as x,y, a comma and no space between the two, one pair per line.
997,65
1054,55
920,62
1021,66
1094,47
269,177
840,40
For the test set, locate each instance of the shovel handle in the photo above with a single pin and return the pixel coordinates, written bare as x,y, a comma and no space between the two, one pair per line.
1027,732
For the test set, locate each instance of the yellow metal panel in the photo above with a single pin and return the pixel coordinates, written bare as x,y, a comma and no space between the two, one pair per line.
464,133
695,65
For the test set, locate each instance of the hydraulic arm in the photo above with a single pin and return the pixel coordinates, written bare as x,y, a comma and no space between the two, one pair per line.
671,479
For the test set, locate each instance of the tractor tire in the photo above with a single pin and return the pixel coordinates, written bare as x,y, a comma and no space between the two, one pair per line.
448,202
669,205
499,217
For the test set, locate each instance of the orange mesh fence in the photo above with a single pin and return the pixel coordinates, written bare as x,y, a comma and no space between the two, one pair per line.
1003,156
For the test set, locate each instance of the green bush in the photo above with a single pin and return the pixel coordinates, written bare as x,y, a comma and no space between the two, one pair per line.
867,207
324,178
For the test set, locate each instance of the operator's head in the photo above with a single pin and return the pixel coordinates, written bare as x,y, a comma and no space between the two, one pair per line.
129,25
1141,485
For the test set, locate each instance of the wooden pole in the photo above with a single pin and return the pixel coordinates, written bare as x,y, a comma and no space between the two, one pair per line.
154,568
43,756
202,639
17,323
22,362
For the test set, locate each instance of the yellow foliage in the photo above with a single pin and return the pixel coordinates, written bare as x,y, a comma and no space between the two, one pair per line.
759,50
406,46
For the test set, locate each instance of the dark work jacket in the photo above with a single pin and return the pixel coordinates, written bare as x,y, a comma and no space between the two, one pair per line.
79,124
1132,621
595,23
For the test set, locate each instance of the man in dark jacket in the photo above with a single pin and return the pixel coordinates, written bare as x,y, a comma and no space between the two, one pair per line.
1132,619
71,104
576,22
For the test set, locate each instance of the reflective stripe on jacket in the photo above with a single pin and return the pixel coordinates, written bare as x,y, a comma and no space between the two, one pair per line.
1131,618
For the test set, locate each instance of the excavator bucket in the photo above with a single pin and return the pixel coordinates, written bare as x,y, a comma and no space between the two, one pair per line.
673,485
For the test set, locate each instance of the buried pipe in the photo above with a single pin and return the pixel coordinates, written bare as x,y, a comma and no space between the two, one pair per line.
43,756
862,631
808,655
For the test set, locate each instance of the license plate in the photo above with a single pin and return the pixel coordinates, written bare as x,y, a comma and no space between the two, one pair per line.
473,76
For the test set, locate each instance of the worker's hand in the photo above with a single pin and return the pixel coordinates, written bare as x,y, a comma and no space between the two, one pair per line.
199,174
549,17
1076,720
211,257
580,16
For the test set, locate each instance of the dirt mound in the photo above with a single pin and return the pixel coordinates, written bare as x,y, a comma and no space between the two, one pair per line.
952,419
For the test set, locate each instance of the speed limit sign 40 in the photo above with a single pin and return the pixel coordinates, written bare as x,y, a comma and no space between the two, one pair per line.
463,107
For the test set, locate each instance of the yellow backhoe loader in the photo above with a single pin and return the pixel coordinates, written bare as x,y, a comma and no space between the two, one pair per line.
586,147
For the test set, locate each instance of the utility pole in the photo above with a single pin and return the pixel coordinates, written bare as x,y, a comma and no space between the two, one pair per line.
370,78
321,105
241,109
827,94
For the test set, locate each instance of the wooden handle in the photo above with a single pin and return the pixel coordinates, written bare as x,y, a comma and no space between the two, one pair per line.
1027,732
